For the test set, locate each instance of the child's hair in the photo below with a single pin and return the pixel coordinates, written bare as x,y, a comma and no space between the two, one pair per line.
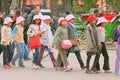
18,12
60,24
99,25
33,22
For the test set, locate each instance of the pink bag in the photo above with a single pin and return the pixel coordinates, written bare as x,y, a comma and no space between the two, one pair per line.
66,44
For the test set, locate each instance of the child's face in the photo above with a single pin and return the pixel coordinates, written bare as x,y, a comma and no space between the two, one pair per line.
22,23
9,24
63,23
47,21
37,21
93,22
103,24
72,20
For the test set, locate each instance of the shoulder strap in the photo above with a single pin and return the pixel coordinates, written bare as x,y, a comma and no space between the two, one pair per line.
60,38
39,28
70,25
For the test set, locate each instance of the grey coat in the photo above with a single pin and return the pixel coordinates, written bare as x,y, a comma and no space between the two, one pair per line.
91,39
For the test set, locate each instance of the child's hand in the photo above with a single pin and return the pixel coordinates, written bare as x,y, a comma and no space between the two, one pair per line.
39,33
36,34
5,44
100,46
53,46
15,40
42,32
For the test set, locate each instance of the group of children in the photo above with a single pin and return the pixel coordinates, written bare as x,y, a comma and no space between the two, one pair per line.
7,39
95,43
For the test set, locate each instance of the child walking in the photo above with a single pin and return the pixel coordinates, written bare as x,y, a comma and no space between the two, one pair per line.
71,35
101,36
117,61
61,33
6,43
17,35
34,30
46,40
92,44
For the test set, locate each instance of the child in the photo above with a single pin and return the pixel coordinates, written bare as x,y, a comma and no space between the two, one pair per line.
117,62
101,34
71,34
61,33
34,30
17,35
6,43
46,40
92,44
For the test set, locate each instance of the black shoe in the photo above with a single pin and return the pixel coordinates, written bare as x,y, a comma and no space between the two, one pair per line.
107,71
84,67
90,72
22,65
94,70
40,65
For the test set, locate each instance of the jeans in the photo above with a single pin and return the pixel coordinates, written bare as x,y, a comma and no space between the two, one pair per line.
117,61
35,56
26,53
20,53
7,54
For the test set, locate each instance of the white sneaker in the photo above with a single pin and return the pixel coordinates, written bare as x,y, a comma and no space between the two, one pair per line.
68,68
35,66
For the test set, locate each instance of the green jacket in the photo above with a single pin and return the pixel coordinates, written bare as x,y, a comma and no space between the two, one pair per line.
60,34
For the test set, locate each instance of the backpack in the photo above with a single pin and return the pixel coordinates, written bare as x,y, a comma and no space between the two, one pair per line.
115,35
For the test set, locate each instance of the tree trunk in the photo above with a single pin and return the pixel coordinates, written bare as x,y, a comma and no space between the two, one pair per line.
53,6
68,5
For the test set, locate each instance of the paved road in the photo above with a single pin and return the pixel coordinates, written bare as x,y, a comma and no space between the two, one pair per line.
49,73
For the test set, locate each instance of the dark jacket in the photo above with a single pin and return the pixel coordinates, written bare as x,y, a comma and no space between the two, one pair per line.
72,37
71,31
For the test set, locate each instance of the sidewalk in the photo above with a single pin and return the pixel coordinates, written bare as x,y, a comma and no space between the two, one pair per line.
110,46
49,73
